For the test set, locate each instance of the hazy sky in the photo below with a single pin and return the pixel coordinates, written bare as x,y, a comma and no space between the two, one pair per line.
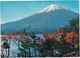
12,11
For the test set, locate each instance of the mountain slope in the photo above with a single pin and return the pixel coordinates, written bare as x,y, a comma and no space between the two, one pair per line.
50,18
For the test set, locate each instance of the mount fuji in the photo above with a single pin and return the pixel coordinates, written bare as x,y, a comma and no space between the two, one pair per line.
49,19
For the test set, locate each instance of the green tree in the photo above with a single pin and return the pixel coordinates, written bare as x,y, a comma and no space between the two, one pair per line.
48,47
73,25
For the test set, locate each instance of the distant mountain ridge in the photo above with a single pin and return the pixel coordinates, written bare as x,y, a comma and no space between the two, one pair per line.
50,18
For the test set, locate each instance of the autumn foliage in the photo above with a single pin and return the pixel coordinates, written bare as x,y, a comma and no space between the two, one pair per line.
61,34
71,37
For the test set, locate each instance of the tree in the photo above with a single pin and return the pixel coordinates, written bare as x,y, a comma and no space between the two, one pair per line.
34,40
7,40
48,47
73,25
6,46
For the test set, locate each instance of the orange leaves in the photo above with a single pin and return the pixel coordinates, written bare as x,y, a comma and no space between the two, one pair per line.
61,34
61,31
71,36
55,34
14,35
5,37
69,54
9,33
45,34
50,36
58,40
23,36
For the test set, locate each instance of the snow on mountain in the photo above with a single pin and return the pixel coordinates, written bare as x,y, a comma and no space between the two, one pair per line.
52,7
48,19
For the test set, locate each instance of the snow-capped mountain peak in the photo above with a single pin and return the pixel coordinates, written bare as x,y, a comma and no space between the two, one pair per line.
52,7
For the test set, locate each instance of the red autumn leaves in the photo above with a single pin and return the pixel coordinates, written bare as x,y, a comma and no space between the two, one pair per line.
9,35
55,34
69,37
69,54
